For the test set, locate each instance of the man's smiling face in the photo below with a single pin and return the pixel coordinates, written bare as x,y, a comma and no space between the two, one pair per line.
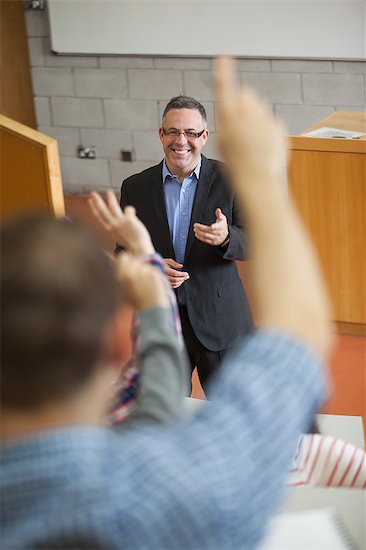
182,154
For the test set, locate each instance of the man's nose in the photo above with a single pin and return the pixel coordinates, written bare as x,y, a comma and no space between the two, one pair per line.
182,139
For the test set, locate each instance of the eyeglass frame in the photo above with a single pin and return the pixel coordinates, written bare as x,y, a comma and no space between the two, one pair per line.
176,133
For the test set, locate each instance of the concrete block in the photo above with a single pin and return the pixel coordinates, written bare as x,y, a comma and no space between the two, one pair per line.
199,84
68,139
210,150
154,84
299,118
182,63
275,87
43,112
36,23
147,146
358,109
36,47
52,82
125,62
75,112
209,108
301,66
333,89
108,143
85,174
350,67
54,60
122,170
253,65
131,114
100,83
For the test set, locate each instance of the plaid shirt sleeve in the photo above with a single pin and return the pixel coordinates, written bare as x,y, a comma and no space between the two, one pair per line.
128,386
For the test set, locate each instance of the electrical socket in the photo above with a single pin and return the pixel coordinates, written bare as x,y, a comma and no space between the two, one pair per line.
86,152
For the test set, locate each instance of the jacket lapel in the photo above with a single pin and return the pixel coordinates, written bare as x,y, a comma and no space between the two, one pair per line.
158,201
203,188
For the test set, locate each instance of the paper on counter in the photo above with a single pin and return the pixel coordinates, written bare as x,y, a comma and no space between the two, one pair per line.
326,132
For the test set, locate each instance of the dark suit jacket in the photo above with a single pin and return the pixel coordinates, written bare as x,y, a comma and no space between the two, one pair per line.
217,306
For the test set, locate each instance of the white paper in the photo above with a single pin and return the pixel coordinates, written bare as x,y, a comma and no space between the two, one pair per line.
308,530
326,132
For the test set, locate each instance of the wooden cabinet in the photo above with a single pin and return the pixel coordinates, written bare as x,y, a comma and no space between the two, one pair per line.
30,171
327,178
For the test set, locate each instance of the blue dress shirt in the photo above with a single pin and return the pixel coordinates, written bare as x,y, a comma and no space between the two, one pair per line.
179,199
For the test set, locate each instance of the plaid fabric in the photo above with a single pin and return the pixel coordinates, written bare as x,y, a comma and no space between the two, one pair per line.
128,384
208,482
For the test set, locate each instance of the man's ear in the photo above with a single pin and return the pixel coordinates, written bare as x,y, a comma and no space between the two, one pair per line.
161,134
117,340
205,136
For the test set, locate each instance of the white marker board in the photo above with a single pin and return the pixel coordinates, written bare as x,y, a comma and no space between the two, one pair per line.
311,29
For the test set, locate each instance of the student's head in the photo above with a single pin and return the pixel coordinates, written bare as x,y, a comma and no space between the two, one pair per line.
59,303
183,134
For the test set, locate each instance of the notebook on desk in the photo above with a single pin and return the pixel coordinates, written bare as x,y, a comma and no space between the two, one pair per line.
308,530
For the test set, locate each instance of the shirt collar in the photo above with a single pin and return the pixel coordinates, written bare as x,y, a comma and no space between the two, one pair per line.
166,172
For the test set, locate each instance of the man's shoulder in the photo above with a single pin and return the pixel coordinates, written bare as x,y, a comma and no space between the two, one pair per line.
144,176
213,165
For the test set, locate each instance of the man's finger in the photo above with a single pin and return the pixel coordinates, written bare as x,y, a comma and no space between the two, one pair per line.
219,214
202,228
172,263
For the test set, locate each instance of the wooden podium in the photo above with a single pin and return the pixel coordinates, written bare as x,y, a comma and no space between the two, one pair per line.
30,171
327,178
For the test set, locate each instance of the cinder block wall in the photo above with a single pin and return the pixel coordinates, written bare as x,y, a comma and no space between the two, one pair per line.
115,103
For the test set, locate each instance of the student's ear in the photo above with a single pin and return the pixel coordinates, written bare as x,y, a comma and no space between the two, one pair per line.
117,341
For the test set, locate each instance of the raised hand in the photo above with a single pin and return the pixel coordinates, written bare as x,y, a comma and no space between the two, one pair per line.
142,285
287,286
251,139
214,234
124,227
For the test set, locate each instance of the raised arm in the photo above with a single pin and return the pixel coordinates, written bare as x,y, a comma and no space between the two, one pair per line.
158,359
287,287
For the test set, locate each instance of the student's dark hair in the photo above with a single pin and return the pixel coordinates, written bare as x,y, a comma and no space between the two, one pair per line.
185,102
58,290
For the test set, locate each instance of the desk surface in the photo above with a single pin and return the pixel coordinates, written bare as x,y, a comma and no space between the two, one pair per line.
343,120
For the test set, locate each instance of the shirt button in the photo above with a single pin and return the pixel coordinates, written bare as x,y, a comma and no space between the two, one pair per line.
183,213
184,237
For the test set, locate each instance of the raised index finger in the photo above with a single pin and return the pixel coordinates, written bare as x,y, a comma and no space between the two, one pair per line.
225,86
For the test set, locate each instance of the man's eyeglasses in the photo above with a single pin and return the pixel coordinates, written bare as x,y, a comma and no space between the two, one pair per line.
174,133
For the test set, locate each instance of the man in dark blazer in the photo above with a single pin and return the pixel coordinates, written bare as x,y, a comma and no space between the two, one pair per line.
196,226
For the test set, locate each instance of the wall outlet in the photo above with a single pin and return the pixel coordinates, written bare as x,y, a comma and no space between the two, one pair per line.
86,152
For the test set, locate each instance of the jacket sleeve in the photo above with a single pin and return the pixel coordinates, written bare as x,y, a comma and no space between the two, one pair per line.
123,202
237,248
162,361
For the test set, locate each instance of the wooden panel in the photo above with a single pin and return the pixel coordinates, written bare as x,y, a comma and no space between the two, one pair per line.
329,189
16,85
30,170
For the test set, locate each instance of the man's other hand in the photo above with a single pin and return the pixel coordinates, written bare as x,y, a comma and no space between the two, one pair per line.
175,277
214,234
